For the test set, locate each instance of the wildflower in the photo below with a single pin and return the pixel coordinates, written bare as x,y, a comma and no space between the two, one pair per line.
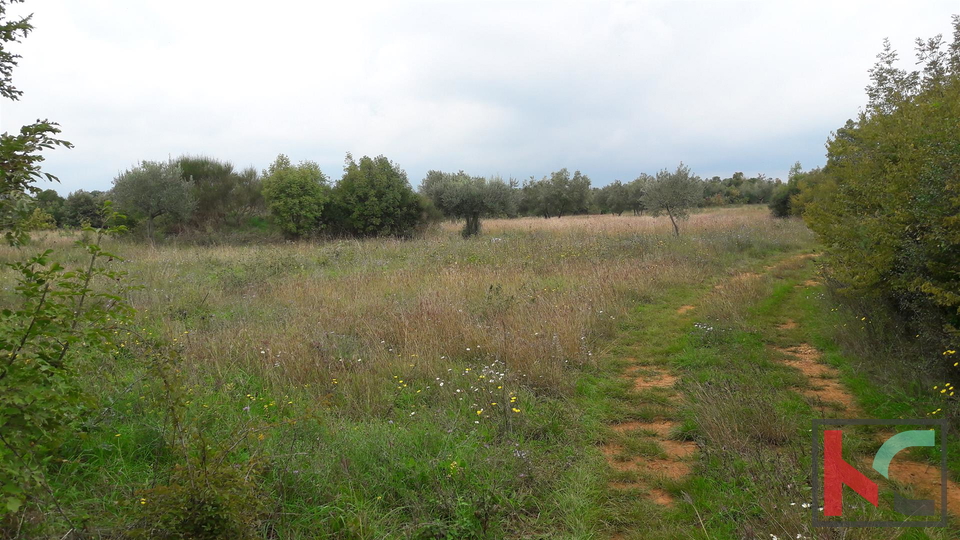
143,501
480,412
516,410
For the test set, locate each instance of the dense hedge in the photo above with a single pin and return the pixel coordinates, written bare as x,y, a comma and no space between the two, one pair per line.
887,205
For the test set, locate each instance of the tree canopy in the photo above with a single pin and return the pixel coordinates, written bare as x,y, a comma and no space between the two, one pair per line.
459,195
674,193
374,198
154,189
296,195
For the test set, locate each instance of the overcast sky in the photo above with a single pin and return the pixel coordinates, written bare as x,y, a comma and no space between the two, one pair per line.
511,88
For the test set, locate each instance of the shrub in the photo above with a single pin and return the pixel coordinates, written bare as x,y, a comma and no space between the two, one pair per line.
60,322
205,499
295,195
374,198
888,207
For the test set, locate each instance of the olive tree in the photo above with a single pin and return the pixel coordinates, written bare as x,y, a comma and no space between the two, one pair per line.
637,192
613,197
466,197
674,193
154,189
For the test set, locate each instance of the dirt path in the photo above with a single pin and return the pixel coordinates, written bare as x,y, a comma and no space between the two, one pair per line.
645,451
828,394
648,452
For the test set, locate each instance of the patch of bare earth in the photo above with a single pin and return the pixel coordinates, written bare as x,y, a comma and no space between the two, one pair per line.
661,497
661,428
659,380
789,325
825,388
925,479
795,260
683,309
737,278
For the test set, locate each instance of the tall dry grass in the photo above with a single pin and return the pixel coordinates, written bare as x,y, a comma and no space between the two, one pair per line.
534,295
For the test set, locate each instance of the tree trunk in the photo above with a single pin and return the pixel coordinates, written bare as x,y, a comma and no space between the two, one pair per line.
471,227
676,230
150,229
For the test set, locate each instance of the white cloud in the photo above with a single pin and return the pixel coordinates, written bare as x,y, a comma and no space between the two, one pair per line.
613,88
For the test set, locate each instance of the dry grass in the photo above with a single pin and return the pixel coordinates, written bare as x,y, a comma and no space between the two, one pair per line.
712,220
537,294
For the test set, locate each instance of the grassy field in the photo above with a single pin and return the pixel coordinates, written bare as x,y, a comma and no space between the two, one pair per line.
583,377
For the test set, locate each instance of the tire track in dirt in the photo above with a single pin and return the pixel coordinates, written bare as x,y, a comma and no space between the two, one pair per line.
663,457
827,392
676,458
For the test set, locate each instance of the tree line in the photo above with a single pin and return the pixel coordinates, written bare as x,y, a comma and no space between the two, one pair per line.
374,197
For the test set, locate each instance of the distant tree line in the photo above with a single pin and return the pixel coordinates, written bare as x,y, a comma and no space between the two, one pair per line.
203,195
470,198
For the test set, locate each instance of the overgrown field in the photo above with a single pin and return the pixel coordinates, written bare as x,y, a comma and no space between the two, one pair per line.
430,388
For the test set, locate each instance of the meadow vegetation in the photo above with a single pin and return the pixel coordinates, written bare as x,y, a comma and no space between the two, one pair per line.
434,387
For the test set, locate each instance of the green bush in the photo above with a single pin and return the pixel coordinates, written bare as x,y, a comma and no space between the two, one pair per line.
61,322
374,198
295,195
888,209
205,499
